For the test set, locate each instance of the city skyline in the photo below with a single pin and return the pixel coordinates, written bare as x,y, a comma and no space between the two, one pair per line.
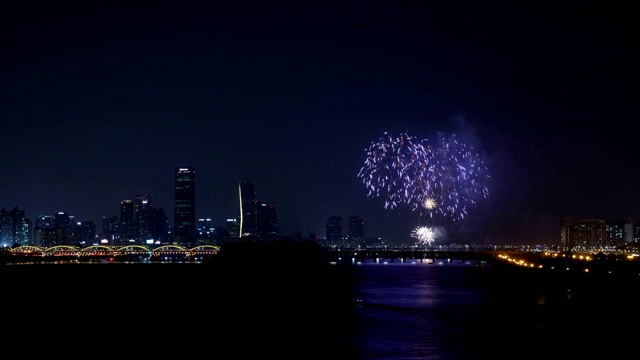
128,207
104,100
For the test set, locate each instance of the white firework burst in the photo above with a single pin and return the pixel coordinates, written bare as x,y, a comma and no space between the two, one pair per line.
424,234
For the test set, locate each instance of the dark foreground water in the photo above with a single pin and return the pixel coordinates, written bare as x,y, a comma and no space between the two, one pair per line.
455,310
411,310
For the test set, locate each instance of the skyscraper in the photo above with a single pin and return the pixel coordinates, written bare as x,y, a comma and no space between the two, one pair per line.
247,209
43,233
356,229
111,229
127,233
267,227
15,228
334,230
142,205
184,220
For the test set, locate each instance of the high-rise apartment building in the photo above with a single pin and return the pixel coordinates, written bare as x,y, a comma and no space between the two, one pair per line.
184,220
110,229
356,229
334,230
585,233
142,205
247,209
43,232
159,226
63,226
232,226
206,231
85,234
15,228
127,232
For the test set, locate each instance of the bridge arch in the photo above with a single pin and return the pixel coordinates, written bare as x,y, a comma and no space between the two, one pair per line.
25,249
170,247
62,249
132,248
205,247
93,248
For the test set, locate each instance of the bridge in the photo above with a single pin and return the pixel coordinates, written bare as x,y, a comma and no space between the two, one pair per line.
112,253
391,255
172,252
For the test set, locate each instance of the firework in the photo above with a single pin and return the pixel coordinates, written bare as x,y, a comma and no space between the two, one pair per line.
444,178
456,179
391,166
424,234
430,203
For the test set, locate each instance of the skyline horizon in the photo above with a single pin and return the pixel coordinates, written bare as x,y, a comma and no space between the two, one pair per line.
102,101
320,234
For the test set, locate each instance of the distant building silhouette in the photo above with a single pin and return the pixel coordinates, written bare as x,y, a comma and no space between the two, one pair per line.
110,229
619,232
85,234
333,229
142,207
594,233
43,232
207,232
184,226
232,227
356,229
267,227
247,196
127,232
15,228
64,227
159,226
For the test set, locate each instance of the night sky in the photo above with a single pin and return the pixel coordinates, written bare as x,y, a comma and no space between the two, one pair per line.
102,100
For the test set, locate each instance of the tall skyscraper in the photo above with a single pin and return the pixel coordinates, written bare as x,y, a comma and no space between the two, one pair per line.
247,209
356,229
267,226
334,230
142,205
159,226
184,220
127,233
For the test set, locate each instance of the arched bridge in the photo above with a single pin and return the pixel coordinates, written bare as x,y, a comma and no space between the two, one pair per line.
114,252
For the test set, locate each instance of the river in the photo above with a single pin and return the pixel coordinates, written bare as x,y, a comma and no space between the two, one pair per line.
371,310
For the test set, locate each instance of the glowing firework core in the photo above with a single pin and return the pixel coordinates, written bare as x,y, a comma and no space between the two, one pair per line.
430,203
425,235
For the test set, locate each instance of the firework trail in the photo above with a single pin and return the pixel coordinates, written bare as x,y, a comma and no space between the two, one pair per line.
456,179
391,166
443,178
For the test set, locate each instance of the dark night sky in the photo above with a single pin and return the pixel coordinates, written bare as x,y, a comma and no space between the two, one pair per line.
104,99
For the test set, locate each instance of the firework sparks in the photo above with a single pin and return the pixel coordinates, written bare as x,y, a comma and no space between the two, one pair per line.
424,234
391,166
443,178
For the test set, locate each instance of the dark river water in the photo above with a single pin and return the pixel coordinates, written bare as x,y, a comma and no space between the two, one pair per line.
373,310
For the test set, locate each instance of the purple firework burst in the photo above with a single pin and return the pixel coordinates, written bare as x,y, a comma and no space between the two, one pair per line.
444,178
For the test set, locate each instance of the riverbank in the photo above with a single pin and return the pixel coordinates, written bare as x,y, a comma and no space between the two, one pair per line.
290,302
238,305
